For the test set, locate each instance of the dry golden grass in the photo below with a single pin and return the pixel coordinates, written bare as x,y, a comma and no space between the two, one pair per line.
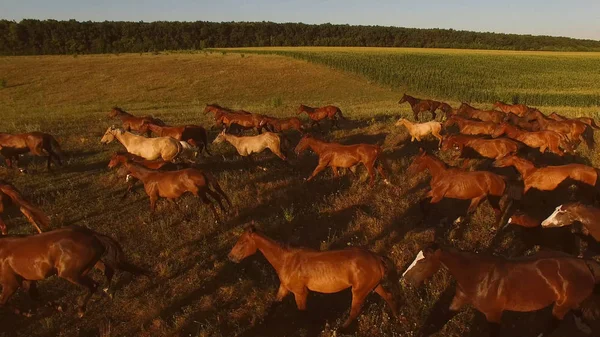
199,292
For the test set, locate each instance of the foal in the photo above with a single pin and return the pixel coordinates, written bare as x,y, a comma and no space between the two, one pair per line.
37,143
173,184
336,155
69,252
418,130
194,135
301,270
318,114
420,105
247,145
567,214
9,194
494,284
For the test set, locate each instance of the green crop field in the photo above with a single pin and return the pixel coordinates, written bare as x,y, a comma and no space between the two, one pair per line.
198,292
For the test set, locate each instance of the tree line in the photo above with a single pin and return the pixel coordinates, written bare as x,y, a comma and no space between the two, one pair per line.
34,37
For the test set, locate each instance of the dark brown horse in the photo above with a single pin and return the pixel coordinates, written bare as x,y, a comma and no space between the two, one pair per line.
542,140
69,252
300,270
336,155
548,178
575,131
421,105
459,184
318,114
37,143
9,195
447,109
282,124
482,115
173,184
495,284
470,127
587,120
488,148
131,122
194,135
522,122
567,214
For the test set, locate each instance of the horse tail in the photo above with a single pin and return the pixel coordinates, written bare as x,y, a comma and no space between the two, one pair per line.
53,147
115,258
32,213
339,112
204,138
588,136
212,182
512,192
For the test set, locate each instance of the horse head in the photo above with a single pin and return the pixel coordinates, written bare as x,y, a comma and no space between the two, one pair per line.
403,99
559,218
244,247
220,137
424,265
303,144
505,161
418,163
400,122
301,109
114,112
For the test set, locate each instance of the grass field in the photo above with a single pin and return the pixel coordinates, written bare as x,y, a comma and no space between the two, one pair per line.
199,292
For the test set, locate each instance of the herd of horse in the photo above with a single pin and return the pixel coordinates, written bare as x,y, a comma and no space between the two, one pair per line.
499,138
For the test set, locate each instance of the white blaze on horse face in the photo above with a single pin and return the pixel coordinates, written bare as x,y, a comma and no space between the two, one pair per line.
551,221
128,178
419,257
509,220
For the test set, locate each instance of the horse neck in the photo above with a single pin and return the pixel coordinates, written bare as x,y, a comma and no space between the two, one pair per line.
124,137
524,167
411,100
271,249
233,140
434,165
463,268
406,123
137,171
155,128
315,145
122,114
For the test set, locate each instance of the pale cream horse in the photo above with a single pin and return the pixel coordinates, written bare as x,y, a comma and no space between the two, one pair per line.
418,130
246,145
166,148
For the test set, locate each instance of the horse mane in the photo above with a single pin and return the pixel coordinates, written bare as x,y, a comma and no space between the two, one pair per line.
119,109
214,105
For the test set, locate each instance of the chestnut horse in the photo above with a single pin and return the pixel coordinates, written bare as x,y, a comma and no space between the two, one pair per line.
220,112
482,115
567,214
548,178
244,121
418,130
131,122
421,105
173,184
470,127
459,184
587,120
518,109
447,109
336,155
247,145
282,124
496,284
194,135
300,270
318,114
488,148
542,140
9,195
522,122
70,253
37,143
575,130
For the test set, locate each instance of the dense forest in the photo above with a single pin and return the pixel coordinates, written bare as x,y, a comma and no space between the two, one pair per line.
29,37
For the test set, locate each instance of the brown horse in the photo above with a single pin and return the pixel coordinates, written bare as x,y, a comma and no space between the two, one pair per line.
336,155
421,105
459,184
282,124
219,111
69,252
521,122
447,109
318,114
194,135
587,120
523,220
243,121
120,158
575,130
488,148
470,127
173,184
300,270
518,109
9,195
495,284
567,214
37,143
548,178
542,140
482,115
131,122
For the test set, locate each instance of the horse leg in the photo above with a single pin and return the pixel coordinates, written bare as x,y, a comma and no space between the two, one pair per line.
278,153
129,187
10,284
281,293
558,313
437,135
495,203
433,115
300,297
358,298
371,170
319,168
474,203
3,225
84,281
208,203
389,299
217,197
335,171
108,272
493,319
